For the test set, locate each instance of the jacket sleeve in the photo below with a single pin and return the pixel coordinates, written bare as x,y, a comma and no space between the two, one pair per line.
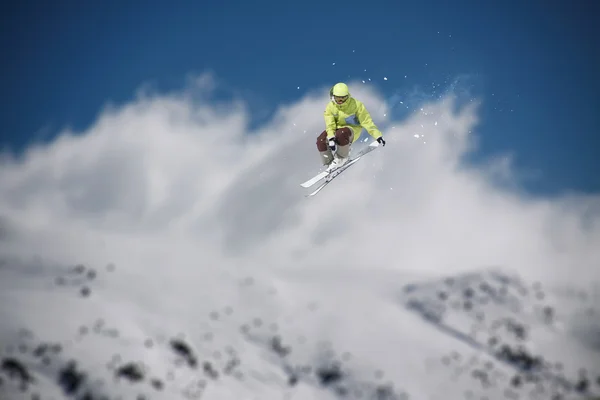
330,125
366,122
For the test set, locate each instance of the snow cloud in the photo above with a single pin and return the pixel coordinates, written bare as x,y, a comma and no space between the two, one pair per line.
178,169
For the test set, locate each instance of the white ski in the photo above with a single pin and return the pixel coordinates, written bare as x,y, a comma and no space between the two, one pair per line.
372,146
331,175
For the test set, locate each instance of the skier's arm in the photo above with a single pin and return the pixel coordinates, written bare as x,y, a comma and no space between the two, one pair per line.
366,122
330,124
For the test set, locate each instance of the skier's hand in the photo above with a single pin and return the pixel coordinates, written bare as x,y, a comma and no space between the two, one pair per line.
332,144
381,141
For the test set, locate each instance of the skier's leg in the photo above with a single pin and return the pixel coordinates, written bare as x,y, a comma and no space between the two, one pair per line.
344,138
324,150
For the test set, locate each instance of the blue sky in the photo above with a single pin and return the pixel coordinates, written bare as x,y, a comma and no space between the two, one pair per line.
534,64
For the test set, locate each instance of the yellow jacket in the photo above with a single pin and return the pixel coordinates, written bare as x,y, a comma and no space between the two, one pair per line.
353,114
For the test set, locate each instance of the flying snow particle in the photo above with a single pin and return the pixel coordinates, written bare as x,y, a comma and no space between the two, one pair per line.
298,87
385,78
333,64
416,135
435,123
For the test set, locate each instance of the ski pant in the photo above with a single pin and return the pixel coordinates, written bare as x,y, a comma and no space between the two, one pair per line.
343,137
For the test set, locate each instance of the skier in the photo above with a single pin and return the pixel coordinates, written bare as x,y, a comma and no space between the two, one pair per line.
344,119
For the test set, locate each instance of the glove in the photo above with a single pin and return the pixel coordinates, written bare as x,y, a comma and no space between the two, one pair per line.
381,141
332,144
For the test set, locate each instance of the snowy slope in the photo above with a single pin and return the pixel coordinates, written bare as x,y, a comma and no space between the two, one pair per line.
165,253
257,338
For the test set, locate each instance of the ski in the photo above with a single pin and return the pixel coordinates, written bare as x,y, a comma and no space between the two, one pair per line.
314,179
333,175
372,146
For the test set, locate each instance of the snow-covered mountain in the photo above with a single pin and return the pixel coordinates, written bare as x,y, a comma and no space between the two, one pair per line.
472,336
165,253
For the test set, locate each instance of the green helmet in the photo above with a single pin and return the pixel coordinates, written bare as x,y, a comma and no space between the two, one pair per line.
339,93
340,89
